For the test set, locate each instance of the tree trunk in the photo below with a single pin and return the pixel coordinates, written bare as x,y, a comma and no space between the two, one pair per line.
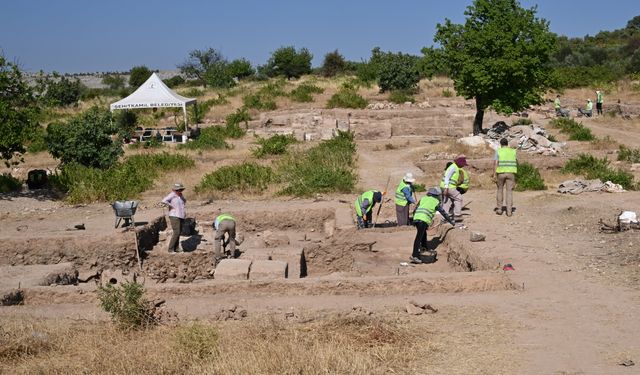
477,121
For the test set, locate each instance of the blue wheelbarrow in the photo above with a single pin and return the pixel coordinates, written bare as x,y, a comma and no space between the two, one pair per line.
125,210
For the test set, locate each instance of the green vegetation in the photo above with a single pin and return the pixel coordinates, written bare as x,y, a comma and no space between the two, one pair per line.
347,97
401,96
499,56
528,178
152,142
127,305
197,111
419,188
236,118
275,145
333,64
113,81
124,180
629,154
575,130
593,168
265,97
58,90
138,75
288,62
522,121
8,183
303,92
446,93
209,139
329,167
209,68
245,177
395,71
174,81
197,340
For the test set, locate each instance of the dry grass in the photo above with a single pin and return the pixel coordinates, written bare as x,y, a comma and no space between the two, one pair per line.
462,341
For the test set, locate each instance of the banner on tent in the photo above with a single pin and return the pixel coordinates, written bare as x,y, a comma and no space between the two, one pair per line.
147,105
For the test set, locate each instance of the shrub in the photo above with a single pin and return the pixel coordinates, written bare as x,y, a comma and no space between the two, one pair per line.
125,180
447,93
138,75
149,143
593,168
174,81
256,101
528,178
240,177
288,62
209,139
239,116
127,305
60,91
401,96
8,183
303,92
197,340
275,145
522,121
113,81
36,141
397,71
347,97
240,68
326,168
629,154
551,138
419,188
193,92
333,64
576,131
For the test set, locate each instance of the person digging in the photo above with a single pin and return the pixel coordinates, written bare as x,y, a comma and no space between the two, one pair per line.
364,207
403,198
449,184
423,217
225,224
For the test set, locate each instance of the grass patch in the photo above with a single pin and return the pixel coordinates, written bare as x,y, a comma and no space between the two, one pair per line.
522,121
8,183
265,97
629,154
447,93
275,145
329,167
347,97
197,339
593,168
149,143
419,188
575,130
552,138
529,178
213,137
245,177
303,93
125,180
401,97
233,121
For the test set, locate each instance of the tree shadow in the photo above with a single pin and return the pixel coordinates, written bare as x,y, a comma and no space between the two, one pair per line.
37,194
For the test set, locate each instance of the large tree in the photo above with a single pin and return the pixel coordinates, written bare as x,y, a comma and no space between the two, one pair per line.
201,63
139,75
499,56
18,112
288,62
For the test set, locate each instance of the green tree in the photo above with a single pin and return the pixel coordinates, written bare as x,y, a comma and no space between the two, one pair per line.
288,62
203,65
397,71
240,68
18,112
499,56
61,91
138,75
333,64
113,81
85,139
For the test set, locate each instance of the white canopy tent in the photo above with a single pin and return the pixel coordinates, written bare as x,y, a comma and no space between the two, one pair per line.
154,94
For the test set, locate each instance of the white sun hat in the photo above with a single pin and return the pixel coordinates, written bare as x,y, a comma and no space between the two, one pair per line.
408,177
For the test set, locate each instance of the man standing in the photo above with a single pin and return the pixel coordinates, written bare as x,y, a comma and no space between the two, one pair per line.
422,218
176,202
506,167
599,99
404,197
364,207
224,224
449,184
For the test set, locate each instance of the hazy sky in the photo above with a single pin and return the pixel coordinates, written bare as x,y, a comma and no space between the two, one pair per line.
89,36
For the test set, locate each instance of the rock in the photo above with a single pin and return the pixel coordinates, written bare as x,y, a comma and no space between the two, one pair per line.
274,239
413,309
116,277
473,141
268,270
86,276
540,140
232,269
11,297
477,237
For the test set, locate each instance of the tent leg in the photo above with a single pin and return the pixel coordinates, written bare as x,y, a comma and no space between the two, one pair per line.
184,110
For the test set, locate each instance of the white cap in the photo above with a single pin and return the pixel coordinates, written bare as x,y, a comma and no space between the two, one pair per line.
408,177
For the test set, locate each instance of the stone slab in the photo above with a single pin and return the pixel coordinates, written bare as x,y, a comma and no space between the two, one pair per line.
233,269
268,270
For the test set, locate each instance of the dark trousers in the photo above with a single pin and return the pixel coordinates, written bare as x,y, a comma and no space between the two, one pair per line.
176,226
402,214
599,108
421,237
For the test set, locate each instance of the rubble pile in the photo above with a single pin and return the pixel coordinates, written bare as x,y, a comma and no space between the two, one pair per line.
581,186
387,105
530,138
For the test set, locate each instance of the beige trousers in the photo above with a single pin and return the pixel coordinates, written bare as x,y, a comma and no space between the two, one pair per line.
508,181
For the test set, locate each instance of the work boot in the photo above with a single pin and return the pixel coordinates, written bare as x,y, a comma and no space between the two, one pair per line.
498,211
415,260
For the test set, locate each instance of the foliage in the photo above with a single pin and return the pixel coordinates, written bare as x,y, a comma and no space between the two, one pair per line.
236,118
36,140
113,81
522,121
333,64
447,93
240,178
499,56
199,62
419,188
59,90
401,96
275,145
579,76
303,92
396,71
265,97
240,69
8,183
288,62
209,139
152,142
138,75
127,305
85,139
197,340
576,131
529,178
347,97
125,122
123,181
593,168
367,73
629,154
329,167
174,81
218,76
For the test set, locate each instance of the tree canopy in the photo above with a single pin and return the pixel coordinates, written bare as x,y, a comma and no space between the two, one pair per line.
499,56
288,62
138,75
202,62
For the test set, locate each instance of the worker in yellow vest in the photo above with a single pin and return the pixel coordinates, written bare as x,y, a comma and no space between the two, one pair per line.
225,224
448,184
506,167
364,207
599,101
588,109
404,197
423,217
463,179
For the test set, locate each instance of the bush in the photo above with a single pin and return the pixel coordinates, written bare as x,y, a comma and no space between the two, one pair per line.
149,143
256,101
275,145
419,188
113,81
197,340
397,71
85,139
576,131
522,121
347,97
333,64
138,75
245,177
401,96
123,181
583,76
528,178
209,139
240,69
629,154
447,93
326,168
8,183
174,81
127,305
36,140
593,168
60,91
239,116
288,62
303,92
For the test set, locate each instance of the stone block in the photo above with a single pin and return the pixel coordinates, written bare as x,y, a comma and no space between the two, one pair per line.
268,270
274,239
233,269
116,277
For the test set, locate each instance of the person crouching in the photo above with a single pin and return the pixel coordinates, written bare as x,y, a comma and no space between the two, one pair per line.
423,217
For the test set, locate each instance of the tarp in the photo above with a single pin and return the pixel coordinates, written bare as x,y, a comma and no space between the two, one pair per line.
153,94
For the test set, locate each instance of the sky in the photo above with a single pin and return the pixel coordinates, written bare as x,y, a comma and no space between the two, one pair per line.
95,36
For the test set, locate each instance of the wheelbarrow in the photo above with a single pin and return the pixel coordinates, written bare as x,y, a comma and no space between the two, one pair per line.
125,210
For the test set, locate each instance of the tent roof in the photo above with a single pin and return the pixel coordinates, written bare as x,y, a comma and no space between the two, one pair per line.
151,94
